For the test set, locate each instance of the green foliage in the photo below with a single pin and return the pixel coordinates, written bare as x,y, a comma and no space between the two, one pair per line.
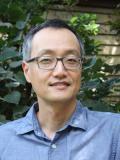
17,17
95,84
70,2
115,25
86,27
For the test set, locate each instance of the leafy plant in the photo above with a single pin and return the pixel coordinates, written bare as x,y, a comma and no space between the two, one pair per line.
15,93
95,83
115,25
16,20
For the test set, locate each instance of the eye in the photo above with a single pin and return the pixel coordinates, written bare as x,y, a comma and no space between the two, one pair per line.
71,60
45,60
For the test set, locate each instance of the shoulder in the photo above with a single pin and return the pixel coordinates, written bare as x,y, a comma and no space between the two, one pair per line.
8,132
104,115
108,120
99,114
10,127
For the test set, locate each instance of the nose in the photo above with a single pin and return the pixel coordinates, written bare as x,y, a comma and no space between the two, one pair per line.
59,70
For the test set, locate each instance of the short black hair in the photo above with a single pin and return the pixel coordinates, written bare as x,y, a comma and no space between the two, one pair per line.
53,23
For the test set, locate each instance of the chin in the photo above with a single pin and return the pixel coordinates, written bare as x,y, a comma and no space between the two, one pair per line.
62,99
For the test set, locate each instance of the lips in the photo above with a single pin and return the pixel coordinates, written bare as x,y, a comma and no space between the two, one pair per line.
60,85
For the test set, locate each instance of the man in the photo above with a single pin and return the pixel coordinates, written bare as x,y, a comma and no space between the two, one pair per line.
57,127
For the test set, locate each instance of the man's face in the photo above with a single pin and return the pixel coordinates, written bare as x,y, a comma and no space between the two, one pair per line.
59,84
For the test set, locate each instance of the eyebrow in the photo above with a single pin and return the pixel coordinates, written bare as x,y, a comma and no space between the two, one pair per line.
73,52
45,52
50,51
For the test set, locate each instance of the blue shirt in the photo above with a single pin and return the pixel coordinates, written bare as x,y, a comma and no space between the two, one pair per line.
88,135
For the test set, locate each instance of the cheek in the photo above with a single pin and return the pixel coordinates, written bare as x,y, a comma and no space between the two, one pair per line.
38,84
39,78
77,80
76,76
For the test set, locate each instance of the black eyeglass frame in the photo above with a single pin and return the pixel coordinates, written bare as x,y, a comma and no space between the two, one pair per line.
57,58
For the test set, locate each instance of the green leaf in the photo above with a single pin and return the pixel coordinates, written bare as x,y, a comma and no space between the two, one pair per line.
73,19
2,71
15,12
18,36
13,97
97,105
2,118
20,78
92,63
7,75
8,53
18,111
5,24
15,64
91,84
20,25
12,84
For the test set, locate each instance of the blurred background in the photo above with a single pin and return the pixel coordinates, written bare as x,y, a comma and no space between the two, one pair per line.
97,23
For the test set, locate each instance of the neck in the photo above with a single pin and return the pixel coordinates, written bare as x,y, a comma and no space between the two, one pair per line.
53,116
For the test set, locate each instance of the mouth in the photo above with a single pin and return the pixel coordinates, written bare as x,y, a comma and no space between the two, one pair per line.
60,85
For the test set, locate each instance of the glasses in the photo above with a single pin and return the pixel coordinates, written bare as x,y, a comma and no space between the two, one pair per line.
50,62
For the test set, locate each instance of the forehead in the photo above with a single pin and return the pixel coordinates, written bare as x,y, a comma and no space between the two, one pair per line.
55,39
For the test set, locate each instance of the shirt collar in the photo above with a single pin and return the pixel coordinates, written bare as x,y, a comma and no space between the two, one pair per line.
79,117
30,123
26,124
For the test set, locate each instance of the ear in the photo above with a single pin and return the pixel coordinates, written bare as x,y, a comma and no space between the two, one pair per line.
26,70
